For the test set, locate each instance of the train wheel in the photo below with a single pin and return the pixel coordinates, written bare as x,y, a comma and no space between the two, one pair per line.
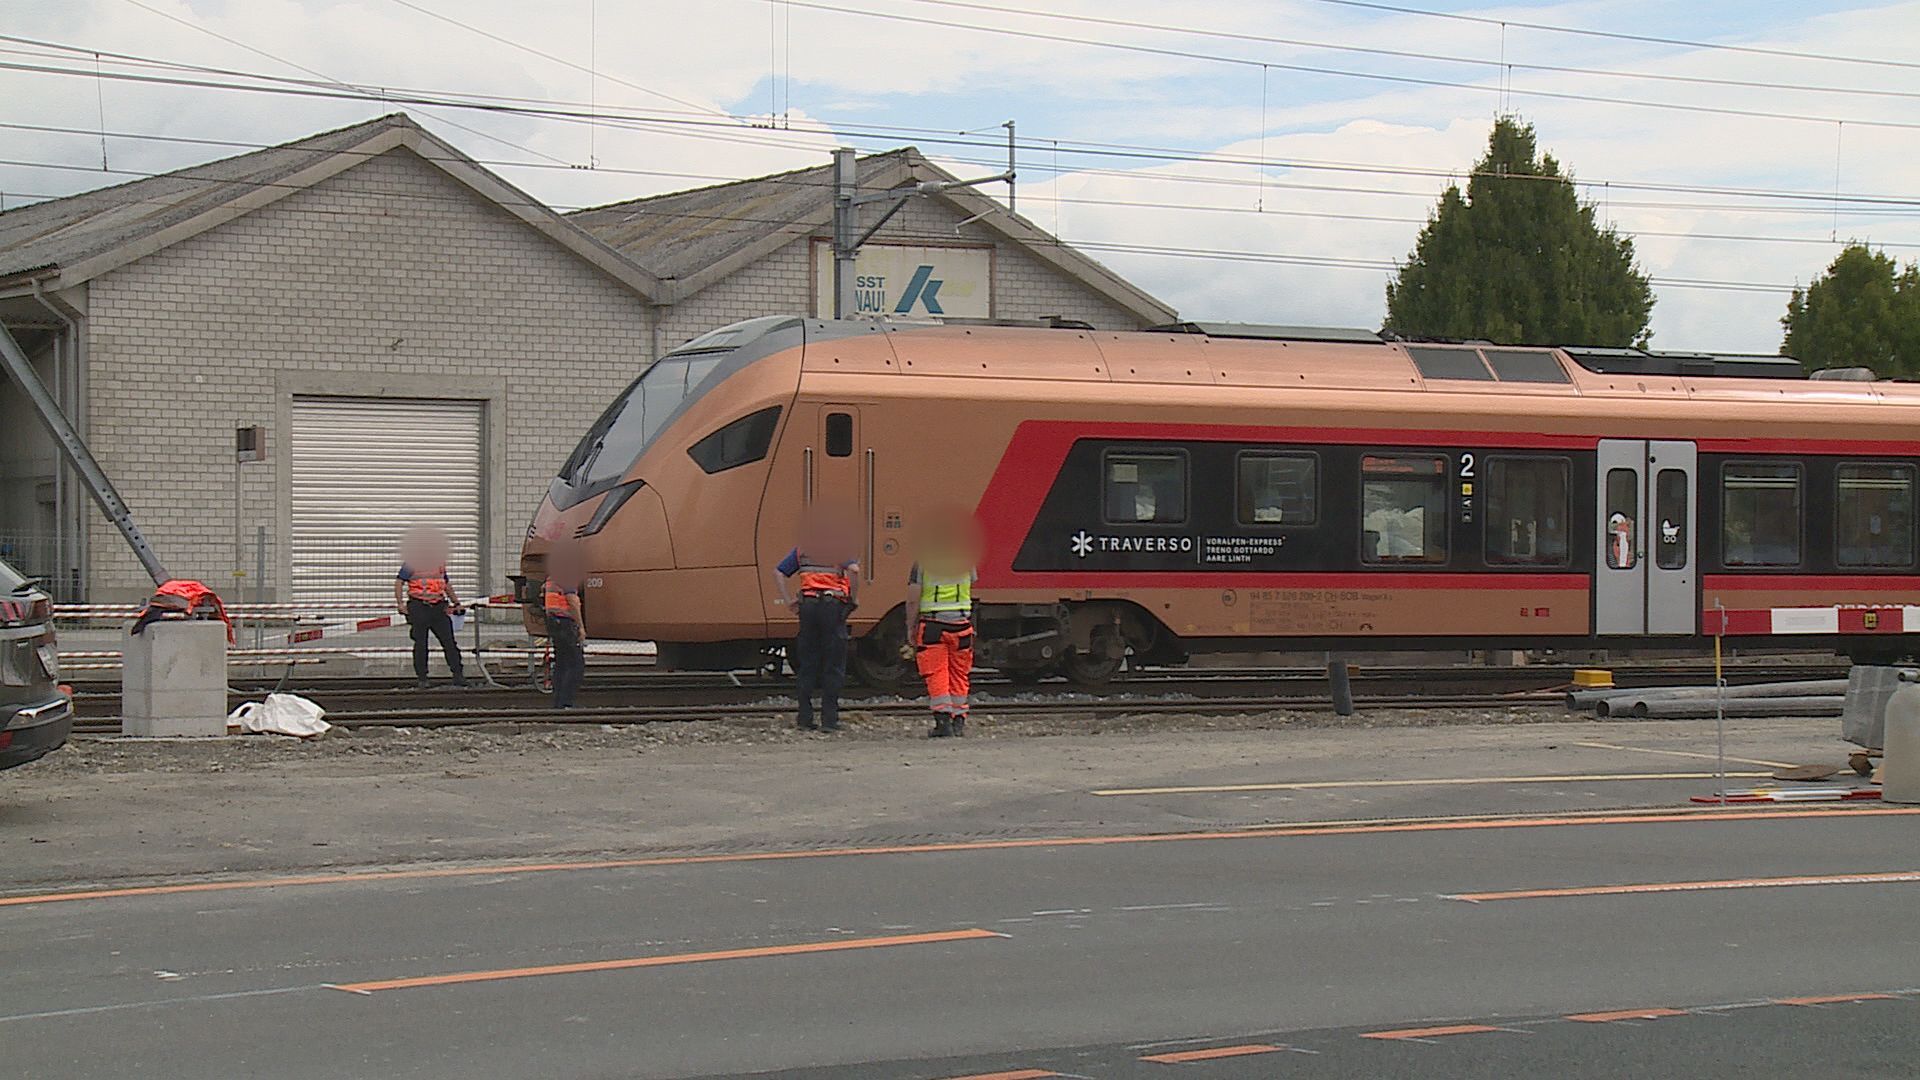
1091,671
883,669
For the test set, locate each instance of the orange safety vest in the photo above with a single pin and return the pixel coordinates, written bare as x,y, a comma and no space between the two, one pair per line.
429,588
818,580
555,600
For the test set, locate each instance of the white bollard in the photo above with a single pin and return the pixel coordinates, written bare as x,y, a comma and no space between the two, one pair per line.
1900,763
173,679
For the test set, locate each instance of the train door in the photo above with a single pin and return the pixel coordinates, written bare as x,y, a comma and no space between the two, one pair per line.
1644,578
840,473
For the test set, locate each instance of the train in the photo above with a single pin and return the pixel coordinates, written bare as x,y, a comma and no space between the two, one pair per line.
1147,495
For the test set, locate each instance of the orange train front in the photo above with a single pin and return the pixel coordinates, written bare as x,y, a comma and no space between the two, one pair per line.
1156,493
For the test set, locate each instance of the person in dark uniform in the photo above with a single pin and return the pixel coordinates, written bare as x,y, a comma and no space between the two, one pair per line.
827,577
566,624
424,594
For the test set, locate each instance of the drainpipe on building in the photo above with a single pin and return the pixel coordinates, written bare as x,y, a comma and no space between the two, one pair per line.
659,313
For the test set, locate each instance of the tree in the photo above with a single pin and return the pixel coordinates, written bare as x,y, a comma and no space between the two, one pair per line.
1863,312
1519,260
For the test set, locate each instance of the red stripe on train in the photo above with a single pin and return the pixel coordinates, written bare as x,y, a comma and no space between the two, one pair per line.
1811,582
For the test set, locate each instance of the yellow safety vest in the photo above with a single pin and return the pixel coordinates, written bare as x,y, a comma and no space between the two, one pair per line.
945,594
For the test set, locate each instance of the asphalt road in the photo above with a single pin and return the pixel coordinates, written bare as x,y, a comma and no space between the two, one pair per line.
1304,950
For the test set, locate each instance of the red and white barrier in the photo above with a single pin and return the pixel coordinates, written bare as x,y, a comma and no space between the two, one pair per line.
344,627
1789,795
1764,622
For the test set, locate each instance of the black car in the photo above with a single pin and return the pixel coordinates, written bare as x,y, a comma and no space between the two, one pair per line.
35,715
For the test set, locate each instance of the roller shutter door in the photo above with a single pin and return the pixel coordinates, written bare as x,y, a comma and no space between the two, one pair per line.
364,470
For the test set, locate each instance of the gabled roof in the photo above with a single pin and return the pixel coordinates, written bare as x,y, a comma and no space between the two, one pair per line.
80,237
692,239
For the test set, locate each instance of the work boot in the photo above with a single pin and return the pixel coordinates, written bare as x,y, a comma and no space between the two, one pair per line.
942,727
422,684
806,723
460,680
959,726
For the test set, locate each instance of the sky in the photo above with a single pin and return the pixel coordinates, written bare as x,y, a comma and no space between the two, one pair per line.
1243,160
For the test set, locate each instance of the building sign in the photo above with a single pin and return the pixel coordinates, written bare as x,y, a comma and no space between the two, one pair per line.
898,279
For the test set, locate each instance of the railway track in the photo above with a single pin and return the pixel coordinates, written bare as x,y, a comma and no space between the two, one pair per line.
670,696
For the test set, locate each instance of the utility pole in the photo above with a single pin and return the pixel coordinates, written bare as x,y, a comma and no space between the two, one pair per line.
847,201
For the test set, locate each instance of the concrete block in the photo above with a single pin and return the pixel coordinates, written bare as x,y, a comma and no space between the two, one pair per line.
174,679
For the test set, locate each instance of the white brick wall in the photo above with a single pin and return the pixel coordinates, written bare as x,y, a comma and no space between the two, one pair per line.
389,271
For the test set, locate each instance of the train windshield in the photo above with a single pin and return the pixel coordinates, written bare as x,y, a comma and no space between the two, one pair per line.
616,440
630,423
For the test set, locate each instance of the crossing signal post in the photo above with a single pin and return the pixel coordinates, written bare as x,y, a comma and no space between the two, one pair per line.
847,200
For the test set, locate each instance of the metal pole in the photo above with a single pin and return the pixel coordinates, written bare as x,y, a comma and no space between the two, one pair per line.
845,187
1010,190
1341,683
14,360
259,579
1720,705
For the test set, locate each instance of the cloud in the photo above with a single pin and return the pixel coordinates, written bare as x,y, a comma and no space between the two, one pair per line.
859,79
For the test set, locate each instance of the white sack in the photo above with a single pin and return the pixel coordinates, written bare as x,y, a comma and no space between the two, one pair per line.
281,714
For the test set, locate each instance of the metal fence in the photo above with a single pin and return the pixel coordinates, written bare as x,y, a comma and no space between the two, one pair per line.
43,556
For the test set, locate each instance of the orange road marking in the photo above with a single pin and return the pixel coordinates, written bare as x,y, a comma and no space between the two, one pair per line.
1443,781
1625,1014
664,961
1431,1032
1834,999
1017,1074
1889,878
1333,828
1182,1056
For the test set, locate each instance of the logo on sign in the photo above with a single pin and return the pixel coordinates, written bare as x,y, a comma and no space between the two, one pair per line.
922,288
1082,543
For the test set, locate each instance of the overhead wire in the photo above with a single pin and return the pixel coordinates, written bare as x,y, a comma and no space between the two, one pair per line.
1407,54
741,132
1408,80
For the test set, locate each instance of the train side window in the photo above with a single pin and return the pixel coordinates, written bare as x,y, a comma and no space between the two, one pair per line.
1403,508
742,442
1623,519
1670,519
1525,365
1760,514
1527,511
1146,488
1873,518
1276,489
839,434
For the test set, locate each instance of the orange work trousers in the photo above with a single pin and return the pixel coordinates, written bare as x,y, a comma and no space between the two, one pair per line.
944,654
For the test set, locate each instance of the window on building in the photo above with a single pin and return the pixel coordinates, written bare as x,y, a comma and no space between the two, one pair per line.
1403,507
839,434
1146,488
1671,503
1277,489
1527,506
1622,524
1873,515
742,442
1760,514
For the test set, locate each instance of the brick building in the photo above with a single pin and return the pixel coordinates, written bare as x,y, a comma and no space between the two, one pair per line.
408,337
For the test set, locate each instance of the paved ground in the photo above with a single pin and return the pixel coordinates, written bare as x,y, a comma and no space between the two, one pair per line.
1017,907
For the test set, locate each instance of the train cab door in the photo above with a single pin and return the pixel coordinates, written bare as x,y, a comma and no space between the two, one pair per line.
840,472
1645,579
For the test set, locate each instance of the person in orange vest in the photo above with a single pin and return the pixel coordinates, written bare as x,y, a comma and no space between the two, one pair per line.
827,574
566,624
424,594
939,618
